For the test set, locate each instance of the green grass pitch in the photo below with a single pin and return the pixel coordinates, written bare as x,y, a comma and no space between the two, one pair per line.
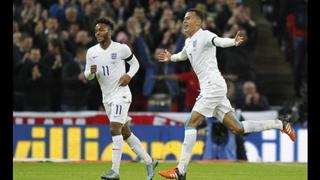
136,171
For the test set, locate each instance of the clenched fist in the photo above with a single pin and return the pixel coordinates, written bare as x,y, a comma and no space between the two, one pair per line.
93,69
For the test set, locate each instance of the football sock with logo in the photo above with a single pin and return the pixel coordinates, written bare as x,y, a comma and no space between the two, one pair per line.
116,152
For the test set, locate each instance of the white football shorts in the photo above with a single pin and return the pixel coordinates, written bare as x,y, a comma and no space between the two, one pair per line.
117,111
216,106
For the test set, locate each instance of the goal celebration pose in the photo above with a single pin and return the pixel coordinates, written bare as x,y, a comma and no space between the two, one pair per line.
200,49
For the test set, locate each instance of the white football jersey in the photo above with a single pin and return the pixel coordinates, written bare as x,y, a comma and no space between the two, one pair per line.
110,67
202,56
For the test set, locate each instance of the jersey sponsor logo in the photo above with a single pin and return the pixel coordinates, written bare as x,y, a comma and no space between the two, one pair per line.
113,56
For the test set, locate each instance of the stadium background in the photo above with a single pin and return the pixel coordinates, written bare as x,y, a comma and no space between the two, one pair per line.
53,109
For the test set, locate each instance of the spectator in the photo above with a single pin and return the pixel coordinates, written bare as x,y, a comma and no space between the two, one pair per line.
167,26
253,100
192,87
151,86
57,9
123,10
16,47
72,16
25,44
17,64
83,39
40,39
97,9
223,13
69,38
75,86
52,26
139,15
55,59
238,63
297,31
30,13
34,77
154,13
179,9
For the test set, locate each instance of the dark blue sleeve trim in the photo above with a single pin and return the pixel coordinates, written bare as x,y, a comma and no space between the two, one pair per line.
129,58
213,41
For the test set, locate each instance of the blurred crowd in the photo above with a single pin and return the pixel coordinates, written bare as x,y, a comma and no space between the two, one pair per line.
50,40
289,19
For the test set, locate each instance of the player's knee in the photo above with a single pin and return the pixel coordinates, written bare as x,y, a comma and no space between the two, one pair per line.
115,131
236,130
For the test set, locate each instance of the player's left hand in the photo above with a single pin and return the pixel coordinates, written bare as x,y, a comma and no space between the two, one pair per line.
124,80
239,38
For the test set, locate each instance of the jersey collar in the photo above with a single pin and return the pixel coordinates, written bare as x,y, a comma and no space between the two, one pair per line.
196,33
104,50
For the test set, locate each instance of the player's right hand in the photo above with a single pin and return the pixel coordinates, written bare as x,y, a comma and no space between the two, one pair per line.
93,69
164,56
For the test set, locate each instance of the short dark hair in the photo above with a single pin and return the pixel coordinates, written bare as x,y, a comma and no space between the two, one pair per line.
199,13
105,21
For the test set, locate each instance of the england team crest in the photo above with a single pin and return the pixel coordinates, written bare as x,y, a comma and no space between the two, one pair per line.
113,56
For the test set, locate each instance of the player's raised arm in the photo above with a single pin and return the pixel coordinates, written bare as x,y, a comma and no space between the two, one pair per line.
228,42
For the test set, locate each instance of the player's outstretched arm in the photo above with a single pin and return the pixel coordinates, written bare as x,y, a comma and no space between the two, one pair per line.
166,56
228,42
